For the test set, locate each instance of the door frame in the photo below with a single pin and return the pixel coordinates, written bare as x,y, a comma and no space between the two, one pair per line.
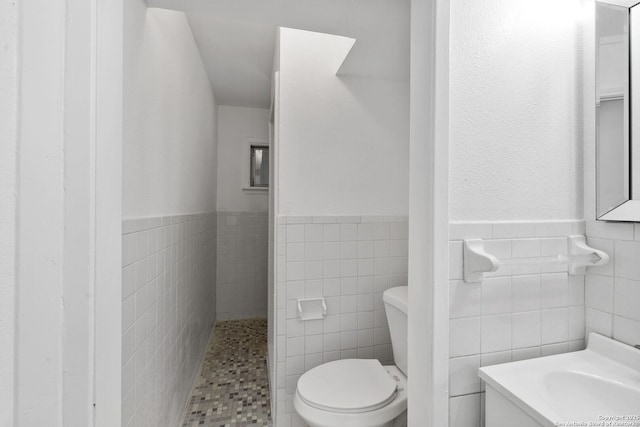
428,353
69,215
88,279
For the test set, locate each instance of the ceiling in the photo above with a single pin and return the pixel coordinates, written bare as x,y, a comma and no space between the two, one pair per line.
236,39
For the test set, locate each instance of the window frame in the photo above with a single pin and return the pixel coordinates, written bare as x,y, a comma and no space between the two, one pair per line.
245,166
252,149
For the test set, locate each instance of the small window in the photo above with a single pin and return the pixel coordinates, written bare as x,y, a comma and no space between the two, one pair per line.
259,175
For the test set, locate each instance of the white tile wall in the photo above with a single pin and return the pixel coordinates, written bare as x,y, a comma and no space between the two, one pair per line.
515,313
464,410
612,294
350,261
168,310
241,265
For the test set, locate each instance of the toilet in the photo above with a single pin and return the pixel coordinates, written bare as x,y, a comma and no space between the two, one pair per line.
360,392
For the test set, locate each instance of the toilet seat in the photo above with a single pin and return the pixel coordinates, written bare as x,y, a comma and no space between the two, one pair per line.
347,386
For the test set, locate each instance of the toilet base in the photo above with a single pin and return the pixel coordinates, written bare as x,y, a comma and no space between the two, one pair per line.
400,421
389,424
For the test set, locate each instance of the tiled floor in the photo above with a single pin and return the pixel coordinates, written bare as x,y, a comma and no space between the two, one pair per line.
232,389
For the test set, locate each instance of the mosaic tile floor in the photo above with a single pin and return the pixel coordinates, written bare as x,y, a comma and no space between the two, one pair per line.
232,389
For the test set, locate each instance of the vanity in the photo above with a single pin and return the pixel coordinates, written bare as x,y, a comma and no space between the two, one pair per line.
599,386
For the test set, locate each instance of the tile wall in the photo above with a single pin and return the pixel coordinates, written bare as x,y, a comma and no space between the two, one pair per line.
350,261
241,284
513,314
168,310
612,292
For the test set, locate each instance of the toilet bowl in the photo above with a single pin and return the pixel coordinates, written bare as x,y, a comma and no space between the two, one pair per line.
351,393
360,392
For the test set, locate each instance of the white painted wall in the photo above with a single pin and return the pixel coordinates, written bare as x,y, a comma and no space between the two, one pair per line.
40,216
235,126
344,141
516,112
8,112
169,168
170,136
69,141
516,146
60,217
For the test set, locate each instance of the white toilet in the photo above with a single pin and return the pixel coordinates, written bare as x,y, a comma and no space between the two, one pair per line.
360,392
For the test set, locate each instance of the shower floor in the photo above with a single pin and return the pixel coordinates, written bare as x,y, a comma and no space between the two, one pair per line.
232,388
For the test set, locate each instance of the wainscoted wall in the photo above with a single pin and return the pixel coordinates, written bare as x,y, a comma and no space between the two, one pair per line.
612,292
168,310
350,261
515,313
241,284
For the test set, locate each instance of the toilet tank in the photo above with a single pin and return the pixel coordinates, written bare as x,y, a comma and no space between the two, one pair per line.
395,305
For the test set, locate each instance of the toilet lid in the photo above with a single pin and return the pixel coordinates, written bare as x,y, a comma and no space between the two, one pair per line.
347,386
